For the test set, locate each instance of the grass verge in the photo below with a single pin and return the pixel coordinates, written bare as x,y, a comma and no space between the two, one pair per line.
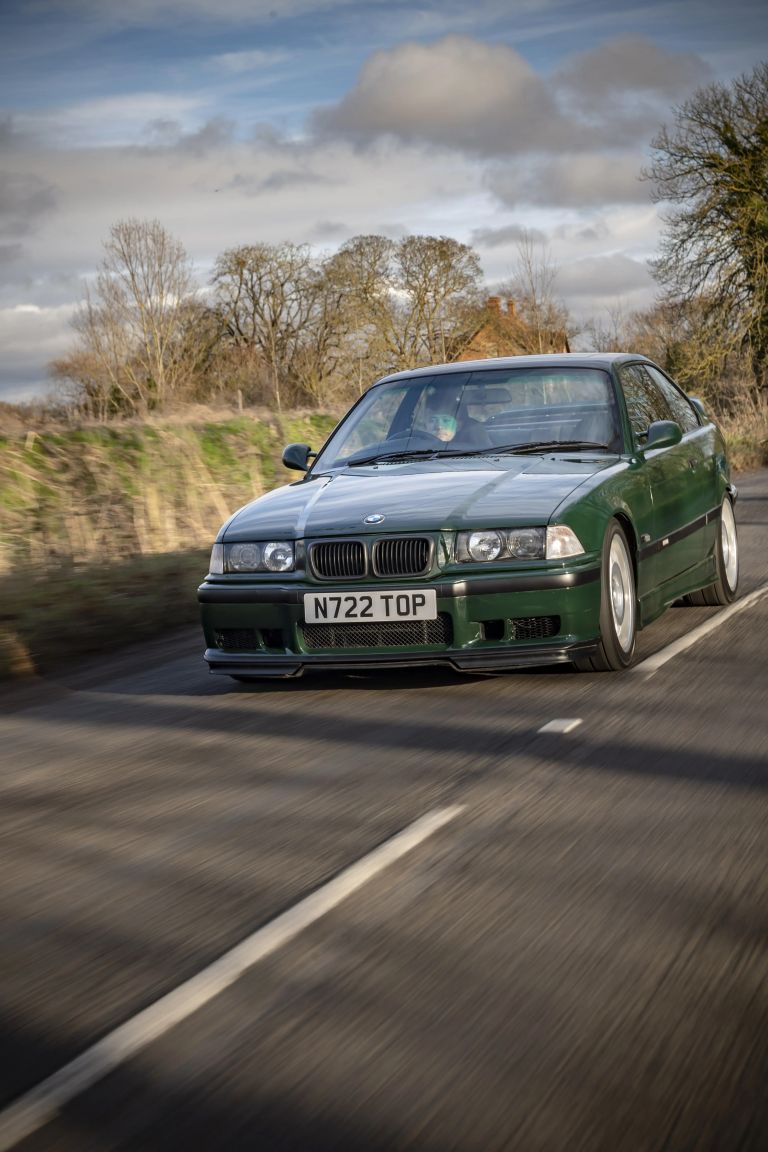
49,619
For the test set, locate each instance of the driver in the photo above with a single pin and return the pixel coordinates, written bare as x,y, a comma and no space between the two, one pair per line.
442,425
440,414
441,421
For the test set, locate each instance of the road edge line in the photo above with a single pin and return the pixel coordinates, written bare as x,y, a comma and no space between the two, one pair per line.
40,1104
650,666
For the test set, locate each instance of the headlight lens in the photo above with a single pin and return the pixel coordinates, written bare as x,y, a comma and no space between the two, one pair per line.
500,544
278,556
554,543
258,556
485,545
243,557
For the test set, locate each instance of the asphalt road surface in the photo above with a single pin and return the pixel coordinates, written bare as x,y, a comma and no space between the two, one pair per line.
569,954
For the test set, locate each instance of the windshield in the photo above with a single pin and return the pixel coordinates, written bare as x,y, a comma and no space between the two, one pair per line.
472,413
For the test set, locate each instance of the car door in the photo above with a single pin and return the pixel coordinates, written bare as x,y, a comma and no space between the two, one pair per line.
674,480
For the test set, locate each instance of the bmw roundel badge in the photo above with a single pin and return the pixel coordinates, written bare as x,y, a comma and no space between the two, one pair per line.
374,518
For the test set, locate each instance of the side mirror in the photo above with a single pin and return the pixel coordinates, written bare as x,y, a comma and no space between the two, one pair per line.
663,434
297,456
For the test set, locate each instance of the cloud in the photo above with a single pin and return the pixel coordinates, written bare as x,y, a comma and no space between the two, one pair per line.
330,230
455,93
248,60
604,279
24,197
571,181
632,65
485,99
511,234
164,134
30,337
108,121
10,253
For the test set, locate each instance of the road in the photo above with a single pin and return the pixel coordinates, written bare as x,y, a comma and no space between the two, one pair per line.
575,959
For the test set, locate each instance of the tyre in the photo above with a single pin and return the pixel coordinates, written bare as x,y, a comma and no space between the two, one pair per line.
723,591
618,607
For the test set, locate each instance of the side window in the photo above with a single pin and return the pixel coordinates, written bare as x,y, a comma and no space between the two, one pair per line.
682,409
645,402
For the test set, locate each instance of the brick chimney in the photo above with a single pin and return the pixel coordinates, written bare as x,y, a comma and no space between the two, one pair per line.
493,304
510,307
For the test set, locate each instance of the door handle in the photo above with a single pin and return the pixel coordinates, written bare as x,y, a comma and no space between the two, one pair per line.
693,463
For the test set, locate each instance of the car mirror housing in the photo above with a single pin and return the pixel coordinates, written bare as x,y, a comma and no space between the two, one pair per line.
296,456
663,434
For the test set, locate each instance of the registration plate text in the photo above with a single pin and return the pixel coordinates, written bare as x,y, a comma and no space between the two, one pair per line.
321,607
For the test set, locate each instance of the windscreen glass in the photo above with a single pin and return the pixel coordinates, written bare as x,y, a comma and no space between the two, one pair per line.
480,411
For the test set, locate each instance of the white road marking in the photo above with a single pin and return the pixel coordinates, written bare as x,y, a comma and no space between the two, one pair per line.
561,726
36,1107
653,663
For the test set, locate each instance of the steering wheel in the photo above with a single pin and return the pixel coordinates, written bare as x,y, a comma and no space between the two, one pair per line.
416,439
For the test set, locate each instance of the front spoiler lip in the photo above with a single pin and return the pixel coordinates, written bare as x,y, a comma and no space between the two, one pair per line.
212,593
489,660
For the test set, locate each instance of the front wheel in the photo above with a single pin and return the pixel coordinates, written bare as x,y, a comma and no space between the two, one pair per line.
723,591
618,607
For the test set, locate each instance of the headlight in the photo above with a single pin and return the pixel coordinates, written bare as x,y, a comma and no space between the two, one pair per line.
258,556
243,557
500,544
484,546
278,556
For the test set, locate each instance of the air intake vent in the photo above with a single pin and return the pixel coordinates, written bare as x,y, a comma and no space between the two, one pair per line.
534,627
402,556
238,639
338,560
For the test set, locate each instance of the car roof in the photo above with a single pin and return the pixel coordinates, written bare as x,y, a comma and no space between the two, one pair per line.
550,360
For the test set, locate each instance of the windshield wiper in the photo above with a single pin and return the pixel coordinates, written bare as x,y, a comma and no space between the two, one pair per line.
549,446
392,457
496,450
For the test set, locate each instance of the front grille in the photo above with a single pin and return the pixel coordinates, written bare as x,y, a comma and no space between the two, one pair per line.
338,559
398,634
402,556
238,639
534,627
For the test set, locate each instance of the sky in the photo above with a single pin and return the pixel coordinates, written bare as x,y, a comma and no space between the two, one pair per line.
311,121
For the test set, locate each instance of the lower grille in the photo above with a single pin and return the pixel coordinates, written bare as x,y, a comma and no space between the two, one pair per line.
398,634
238,639
534,627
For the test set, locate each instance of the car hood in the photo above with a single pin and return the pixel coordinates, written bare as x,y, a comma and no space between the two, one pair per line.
423,496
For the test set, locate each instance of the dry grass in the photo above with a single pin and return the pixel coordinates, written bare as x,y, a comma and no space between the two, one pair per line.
105,530
746,430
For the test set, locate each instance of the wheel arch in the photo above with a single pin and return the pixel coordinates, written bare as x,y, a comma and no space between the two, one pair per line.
629,531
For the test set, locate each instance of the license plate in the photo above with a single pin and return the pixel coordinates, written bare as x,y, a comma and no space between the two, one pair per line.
324,607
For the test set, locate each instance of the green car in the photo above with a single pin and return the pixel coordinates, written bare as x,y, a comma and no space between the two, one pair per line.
485,515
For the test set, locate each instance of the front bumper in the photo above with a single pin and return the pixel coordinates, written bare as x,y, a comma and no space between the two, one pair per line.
490,622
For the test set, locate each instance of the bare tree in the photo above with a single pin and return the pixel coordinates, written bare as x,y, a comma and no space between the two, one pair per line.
132,354
267,294
711,167
533,289
407,297
611,334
